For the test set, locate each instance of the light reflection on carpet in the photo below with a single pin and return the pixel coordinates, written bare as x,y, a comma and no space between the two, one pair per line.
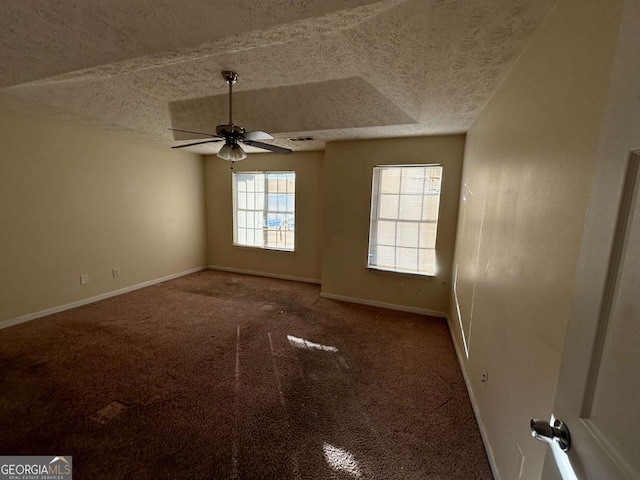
307,345
341,460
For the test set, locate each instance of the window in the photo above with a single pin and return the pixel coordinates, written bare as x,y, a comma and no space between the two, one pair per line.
404,218
264,209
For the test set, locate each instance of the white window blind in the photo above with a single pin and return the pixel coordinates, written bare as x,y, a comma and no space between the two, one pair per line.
264,209
405,202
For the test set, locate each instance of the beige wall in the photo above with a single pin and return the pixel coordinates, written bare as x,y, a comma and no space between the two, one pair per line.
528,165
348,170
304,263
77,200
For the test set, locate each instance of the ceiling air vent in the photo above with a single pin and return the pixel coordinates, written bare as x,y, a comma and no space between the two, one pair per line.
301,139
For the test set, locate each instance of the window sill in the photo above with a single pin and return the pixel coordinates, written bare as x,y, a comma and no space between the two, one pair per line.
269,249
401,272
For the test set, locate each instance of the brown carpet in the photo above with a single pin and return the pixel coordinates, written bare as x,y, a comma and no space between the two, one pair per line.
219,375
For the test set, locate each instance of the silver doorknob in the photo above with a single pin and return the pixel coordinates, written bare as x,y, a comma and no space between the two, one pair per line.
541,430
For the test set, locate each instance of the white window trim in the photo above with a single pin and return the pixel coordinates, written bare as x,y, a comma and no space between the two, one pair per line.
376,268
234,213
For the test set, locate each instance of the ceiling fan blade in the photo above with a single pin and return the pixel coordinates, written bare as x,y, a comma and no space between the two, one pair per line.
257,135
197,143
266,146
196,133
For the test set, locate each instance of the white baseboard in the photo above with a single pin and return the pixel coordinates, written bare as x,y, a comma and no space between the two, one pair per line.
474,405
85,301
390,306
265,274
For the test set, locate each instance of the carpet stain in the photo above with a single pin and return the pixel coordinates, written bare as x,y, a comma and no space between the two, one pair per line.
109,413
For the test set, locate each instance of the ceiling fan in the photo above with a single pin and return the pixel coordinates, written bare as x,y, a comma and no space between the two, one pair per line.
232,134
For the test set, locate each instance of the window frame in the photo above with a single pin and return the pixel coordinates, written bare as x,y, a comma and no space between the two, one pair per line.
375,203
234,222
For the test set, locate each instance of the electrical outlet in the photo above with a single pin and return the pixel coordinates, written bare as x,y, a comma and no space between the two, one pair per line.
485,378
116,272
84,279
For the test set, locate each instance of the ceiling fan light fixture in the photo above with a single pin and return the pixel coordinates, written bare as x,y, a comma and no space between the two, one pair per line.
232,152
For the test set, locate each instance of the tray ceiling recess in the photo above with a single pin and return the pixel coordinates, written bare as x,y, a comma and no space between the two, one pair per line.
332,70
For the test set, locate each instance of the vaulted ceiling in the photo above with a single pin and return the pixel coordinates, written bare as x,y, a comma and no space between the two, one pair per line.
335,69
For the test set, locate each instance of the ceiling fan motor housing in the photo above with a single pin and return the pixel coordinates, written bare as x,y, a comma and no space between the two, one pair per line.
230,131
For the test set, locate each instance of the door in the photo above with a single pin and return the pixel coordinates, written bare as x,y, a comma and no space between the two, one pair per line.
598,394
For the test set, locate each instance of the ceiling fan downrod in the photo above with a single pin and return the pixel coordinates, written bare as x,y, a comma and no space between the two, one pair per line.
231,78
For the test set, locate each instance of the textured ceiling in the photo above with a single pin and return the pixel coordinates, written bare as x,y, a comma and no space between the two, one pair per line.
336,69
